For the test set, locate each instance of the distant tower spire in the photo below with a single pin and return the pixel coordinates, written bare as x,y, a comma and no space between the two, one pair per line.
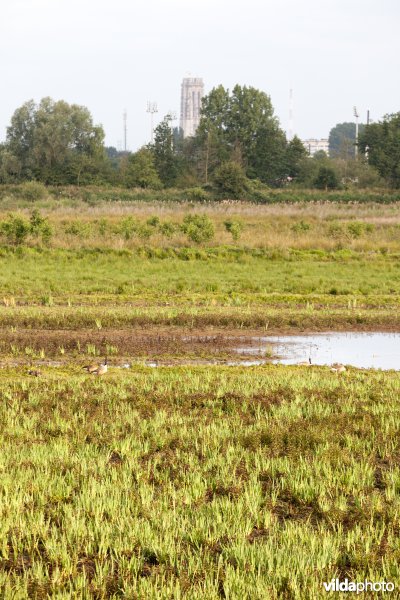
192,92
291,125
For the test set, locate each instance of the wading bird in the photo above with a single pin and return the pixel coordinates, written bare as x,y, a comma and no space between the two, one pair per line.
338,368
95,369
305,363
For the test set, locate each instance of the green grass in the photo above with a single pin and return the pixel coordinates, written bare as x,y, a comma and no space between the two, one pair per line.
198,483
33,273
123,289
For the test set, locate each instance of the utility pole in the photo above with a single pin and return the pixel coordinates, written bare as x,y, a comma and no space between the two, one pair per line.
151,109
290,132
125,129
356,146
172,117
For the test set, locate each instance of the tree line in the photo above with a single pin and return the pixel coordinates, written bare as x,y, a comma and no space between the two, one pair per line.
239,148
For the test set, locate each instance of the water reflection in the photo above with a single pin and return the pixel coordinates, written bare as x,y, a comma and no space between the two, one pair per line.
374,350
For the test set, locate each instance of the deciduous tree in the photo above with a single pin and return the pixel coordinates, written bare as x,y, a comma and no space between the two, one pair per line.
380,142
241,126
56,142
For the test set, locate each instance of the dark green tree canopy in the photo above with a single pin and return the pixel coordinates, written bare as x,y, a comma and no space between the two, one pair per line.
241,126
140,170
380,142
295,153
326,178
342,140
54,141
165,158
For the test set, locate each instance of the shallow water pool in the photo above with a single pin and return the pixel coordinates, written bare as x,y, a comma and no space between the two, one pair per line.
375,350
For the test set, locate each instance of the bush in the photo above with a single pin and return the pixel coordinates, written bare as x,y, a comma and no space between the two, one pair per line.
234,228
15,229
78,228
128,227
153,221
140,170
335,230
197,194
230,180
258,191
167,229
198,228
144,231
40,226
357,228
301,227
326,179
32,190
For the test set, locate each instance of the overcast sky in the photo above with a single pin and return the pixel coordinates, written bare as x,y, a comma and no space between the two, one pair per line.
111,55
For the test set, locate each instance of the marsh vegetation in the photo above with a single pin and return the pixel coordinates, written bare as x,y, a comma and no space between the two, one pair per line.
191,481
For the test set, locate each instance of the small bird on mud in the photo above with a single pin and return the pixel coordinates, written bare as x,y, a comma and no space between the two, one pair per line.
97,369
338,368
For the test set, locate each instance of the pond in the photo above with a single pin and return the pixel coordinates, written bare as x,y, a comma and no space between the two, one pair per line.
376,350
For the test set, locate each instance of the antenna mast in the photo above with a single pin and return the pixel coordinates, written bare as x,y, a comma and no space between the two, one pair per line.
151,109
290,132
125,129
172,117
356,145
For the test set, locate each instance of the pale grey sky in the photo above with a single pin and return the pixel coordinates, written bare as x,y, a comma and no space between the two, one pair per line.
112,55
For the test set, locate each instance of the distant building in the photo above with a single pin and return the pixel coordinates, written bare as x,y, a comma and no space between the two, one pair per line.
312,146
191,95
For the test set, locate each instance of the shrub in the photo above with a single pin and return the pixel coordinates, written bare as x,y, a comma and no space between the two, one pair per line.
300,227
153,221
144,231
326,179
198,228
32,190
141,172
197,194
40,226
15,229
335,230
258,191
167,229
234,228
357,228
128,227
230,180
78,228
103,227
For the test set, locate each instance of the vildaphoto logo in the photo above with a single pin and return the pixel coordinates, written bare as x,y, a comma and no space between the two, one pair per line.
335,585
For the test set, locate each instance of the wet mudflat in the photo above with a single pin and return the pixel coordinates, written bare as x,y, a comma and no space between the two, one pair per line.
378,350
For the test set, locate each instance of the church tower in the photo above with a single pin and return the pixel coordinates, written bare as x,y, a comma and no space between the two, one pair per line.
191,95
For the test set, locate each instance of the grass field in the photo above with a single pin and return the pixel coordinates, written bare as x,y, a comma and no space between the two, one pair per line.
190,481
